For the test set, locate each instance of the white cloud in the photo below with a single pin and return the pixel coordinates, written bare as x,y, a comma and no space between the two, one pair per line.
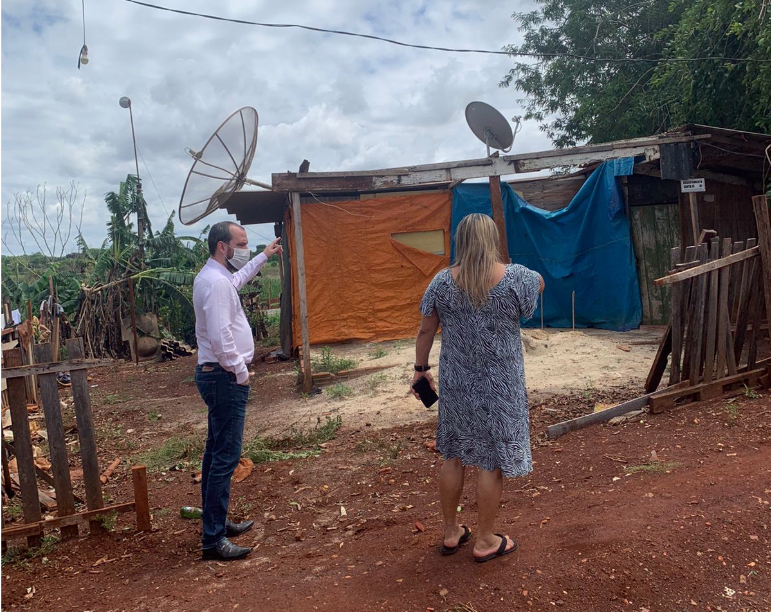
343,103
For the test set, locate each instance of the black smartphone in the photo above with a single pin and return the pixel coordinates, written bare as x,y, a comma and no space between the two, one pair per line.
423,389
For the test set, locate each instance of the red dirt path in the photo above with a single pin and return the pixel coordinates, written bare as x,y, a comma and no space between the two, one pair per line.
693,535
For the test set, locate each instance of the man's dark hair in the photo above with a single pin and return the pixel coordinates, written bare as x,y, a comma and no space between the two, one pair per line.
219,232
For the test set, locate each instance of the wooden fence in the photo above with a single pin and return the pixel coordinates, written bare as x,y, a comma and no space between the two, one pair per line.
719,292
68,518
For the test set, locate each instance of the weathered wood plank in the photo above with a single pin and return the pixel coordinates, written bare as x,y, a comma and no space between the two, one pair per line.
708,267
85,421
496,201
712,310
447,172
65,521
659,362
559,429
677,325
301,290
141,499
17,399
723,319
760,206
60,467
697,328
747,286
57,366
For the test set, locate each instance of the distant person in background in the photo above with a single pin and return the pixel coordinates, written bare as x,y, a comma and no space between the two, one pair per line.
225,349
483,410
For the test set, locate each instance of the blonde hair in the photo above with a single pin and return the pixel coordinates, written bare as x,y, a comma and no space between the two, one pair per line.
476,253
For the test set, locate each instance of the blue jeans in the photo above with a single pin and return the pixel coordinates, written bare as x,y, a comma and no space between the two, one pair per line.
226,401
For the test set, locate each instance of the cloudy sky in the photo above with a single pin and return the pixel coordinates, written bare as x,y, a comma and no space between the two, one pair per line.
343,103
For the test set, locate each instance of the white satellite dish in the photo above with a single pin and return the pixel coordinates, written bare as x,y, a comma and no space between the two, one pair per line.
489,126
220,167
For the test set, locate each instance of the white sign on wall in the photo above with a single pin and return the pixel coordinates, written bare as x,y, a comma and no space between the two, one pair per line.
692,185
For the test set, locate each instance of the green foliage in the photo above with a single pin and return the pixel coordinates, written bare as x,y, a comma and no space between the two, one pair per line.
576,99
175,451
328,362
339,391
378,353
297,445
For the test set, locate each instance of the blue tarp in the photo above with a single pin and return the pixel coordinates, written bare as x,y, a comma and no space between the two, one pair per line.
585,247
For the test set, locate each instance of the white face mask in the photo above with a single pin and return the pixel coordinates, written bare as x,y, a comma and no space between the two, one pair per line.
240,258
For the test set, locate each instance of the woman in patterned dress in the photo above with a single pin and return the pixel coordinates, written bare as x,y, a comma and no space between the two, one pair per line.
483,410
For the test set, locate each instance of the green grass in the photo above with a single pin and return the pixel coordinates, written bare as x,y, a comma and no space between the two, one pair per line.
19,557
108,521
339,391
750,393
378,353
732,410
175,451
153,416
298,444
328,362
653,467
112,398
387,451
374,381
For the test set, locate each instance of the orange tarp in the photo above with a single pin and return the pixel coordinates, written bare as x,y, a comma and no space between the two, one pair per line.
362,284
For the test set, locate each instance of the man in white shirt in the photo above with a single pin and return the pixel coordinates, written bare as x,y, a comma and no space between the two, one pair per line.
225,349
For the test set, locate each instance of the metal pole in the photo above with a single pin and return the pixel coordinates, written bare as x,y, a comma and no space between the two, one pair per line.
140,219
133,320
574,310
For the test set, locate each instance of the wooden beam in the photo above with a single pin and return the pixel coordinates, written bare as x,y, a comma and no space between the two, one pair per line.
555,431
57,445
301,290
496,201
58,366
448,172
760,204
85,422
17,396
708,267
64,521
693,208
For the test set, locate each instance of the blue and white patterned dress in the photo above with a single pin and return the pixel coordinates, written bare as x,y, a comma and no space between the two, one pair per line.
483,412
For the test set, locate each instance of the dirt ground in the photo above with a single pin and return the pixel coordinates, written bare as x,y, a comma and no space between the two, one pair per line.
601,523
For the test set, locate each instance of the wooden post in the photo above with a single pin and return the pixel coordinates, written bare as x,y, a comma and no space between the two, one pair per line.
30,355
693,206
141,499
697,322
676,318
60,467
760,204
133,319
723,317
541,309
84,419
298,240
497,204
23,444
712,306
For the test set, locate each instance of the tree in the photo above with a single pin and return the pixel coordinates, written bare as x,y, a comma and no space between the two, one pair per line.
49,225
662,63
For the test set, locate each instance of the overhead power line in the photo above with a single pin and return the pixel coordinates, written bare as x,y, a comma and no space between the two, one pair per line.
578,56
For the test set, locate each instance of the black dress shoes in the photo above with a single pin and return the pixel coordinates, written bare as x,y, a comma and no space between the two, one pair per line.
225,550
236,529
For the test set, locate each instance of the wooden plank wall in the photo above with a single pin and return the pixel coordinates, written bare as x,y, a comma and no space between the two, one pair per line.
727,209
654,233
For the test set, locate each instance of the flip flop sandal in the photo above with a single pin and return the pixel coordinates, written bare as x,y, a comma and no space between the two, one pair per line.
500,552
451,550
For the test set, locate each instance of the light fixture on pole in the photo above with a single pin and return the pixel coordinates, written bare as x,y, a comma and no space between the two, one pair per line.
125,102
83,57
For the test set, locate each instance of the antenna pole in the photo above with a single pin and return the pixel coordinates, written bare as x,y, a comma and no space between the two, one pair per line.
140,218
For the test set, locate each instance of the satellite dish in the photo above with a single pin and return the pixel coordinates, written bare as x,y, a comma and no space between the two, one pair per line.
489,126
220,167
